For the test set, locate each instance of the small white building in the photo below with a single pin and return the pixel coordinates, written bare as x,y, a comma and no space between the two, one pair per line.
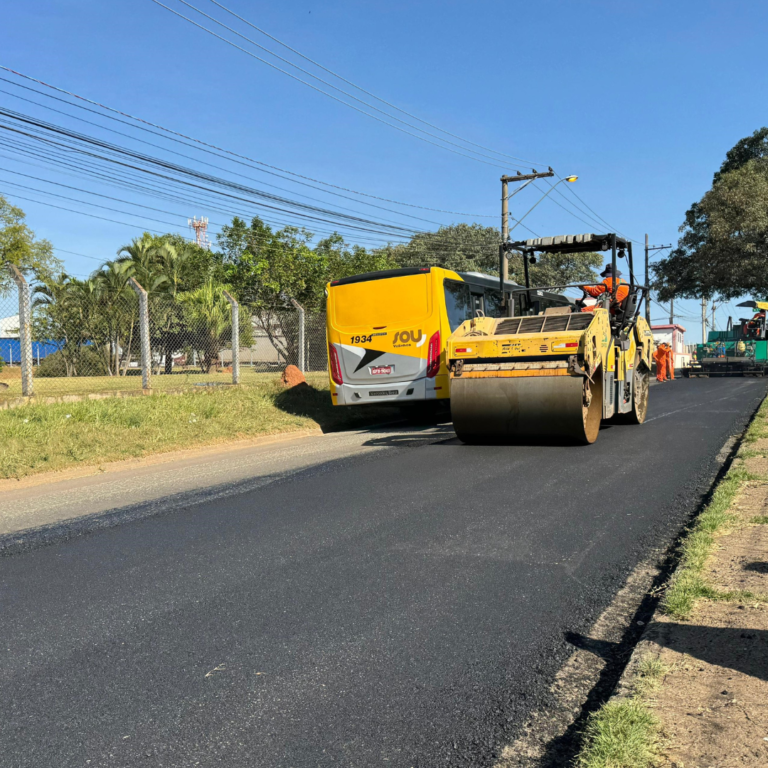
9,327
674,335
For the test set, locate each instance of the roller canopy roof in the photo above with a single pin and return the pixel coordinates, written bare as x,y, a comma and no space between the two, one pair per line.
571,243
754,304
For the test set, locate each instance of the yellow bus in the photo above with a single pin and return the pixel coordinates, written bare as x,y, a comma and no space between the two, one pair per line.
387,331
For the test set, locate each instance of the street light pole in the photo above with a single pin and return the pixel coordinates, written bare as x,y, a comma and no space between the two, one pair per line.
504,223
528,178
647,286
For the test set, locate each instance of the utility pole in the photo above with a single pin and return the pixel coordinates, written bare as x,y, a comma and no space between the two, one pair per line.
647,283
505,223
648,249
703,320
671,311
527,178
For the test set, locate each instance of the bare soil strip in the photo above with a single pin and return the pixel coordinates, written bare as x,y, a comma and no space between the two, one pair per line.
709,708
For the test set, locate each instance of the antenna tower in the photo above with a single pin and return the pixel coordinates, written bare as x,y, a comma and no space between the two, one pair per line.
200,228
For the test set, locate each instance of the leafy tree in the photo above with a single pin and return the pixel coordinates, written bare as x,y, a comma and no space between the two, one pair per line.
341,260
475,248
724,239
19,246
267,269
460,247
749,148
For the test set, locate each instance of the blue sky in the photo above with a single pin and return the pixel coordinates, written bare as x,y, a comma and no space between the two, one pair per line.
640,99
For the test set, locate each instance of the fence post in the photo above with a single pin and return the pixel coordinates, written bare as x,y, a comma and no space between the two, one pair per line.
146,352
302,366
25,332
235,336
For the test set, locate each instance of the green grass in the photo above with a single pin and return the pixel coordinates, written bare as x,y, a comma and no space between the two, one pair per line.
760,520
688,584
85,385
38,438
625,733
621,734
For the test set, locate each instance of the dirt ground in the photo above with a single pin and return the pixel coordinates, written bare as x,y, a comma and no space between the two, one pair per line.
713,703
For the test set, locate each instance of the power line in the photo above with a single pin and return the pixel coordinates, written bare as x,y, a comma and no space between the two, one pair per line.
315,77
147,160
207,147
320,90
188,157
345,220
363,90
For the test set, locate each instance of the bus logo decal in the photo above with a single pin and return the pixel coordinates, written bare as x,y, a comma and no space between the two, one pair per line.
410,337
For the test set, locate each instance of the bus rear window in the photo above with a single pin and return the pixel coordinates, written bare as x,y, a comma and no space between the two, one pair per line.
458,303
392,301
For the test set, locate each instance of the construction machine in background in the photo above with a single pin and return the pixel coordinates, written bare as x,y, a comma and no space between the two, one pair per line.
740,350
555,373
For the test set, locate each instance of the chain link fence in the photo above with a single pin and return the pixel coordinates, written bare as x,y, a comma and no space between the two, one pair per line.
79,344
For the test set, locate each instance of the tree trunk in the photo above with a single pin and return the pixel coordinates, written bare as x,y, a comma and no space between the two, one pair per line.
168,357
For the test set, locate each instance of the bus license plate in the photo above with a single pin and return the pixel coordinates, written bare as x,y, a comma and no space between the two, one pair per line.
384,393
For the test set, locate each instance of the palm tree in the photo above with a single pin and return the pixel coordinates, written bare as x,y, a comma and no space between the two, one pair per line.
113,312
210,320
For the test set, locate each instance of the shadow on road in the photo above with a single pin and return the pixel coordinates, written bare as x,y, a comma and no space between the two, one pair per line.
304,400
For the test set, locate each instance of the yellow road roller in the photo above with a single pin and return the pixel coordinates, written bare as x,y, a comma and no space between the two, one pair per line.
557,373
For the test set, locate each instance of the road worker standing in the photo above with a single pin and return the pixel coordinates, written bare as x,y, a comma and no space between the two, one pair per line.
670,362
660,356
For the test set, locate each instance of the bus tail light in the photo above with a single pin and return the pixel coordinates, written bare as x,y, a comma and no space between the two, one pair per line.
333,356
433,355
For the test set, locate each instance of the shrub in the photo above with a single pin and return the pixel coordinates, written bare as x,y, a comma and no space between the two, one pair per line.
89,363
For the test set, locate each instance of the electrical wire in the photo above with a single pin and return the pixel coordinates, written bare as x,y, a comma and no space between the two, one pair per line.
197,160
315,77
172,135
320,90
363,90
390,231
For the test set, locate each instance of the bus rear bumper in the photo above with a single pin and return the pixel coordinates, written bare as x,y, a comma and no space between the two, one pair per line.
392,392
380,392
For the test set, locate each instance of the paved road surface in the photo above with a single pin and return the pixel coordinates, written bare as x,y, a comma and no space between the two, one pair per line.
401,607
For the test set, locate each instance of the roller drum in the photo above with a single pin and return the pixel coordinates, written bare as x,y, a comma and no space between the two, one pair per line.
508,408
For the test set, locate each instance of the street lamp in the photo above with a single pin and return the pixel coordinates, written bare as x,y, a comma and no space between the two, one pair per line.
569,179
503,253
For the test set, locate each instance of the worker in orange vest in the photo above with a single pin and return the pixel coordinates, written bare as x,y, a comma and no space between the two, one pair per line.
596,291
660,356
670,362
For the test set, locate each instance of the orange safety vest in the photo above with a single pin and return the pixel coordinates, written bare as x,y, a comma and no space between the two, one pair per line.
596,291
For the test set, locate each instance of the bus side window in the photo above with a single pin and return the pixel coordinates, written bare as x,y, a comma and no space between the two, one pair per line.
458,303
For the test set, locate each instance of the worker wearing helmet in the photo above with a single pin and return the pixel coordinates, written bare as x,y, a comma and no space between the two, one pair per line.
596,291
660,356
670,362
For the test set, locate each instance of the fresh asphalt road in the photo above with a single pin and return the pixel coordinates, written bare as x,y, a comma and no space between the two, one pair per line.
403,607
